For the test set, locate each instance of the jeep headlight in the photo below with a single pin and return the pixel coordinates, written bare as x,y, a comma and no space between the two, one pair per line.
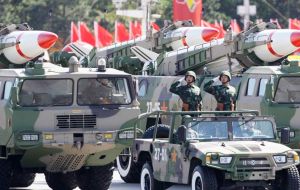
225,159
126,135
280,159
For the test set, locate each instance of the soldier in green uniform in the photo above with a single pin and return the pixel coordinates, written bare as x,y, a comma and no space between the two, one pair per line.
189,93
225,94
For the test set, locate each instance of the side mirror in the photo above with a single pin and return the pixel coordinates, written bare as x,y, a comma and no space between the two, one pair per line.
181,132
269,91
14,96
285,136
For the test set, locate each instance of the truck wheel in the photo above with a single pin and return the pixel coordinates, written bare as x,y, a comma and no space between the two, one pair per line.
288,179
204,178
61,181
147,179
129,171
95,178
5,174
22,179
162,132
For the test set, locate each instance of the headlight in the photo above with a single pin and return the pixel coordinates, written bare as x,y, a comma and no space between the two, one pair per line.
280,159
225,159
126,135
30,137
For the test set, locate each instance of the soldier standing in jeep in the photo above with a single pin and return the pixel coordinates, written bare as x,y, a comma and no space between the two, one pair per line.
224,94
190,93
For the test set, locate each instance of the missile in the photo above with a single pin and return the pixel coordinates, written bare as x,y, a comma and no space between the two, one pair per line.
190,36
280,44
19,47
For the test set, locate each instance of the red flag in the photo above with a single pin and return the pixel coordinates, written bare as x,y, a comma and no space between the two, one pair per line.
74,33
220,27
234,26
206,24
188,10
135,29
121,33
155,26
294,24
103,37
85,34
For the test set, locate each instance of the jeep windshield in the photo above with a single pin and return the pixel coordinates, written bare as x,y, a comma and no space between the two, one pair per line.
46,92
100,91
288,90
220,130
253,129
207,130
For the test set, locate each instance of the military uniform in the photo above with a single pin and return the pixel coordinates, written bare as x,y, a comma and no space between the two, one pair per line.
225,95
189,94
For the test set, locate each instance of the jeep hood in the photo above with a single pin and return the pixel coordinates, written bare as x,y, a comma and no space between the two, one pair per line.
240,147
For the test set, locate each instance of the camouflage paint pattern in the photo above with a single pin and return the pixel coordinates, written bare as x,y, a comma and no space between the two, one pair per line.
69,148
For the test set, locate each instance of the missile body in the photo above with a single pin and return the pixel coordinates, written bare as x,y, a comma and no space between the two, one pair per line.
191,36
27,45
281,43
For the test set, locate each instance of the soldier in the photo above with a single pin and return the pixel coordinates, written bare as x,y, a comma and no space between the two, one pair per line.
189,93
224,94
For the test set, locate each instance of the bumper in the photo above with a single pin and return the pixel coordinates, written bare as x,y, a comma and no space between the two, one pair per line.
66,152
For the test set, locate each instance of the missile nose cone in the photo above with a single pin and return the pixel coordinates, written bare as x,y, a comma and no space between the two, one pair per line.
47,39
209,34
295,39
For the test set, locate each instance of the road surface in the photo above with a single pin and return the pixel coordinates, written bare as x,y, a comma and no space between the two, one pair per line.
117,184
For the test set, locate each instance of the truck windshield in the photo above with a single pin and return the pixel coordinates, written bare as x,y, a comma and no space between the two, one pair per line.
207,130
253,129
100,91
46,92
288,90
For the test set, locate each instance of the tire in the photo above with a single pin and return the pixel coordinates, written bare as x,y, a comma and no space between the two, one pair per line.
162,132
61,181
147,179
22,179
95,178
287,179
129,171
204,179
5,174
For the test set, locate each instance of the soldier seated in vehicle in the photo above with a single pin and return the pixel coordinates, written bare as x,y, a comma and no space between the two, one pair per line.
97,91
247,129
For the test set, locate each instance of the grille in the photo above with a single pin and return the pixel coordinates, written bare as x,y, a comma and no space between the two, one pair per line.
70,162
76,121
253,163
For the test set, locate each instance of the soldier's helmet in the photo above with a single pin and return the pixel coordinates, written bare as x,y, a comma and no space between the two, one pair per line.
191,73
226,73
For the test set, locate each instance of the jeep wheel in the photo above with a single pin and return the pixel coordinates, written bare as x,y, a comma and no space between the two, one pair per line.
204,178
162,132
147,179
95,178
287,179
129,171
5,174
22,179
60,181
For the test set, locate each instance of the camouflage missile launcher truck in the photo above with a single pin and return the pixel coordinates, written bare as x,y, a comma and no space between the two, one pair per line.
68,123
214,152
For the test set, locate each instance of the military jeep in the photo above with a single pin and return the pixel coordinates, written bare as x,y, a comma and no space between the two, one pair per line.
213,152
58,121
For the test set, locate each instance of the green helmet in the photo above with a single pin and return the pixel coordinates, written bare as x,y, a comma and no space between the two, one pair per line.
226,73
191,73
